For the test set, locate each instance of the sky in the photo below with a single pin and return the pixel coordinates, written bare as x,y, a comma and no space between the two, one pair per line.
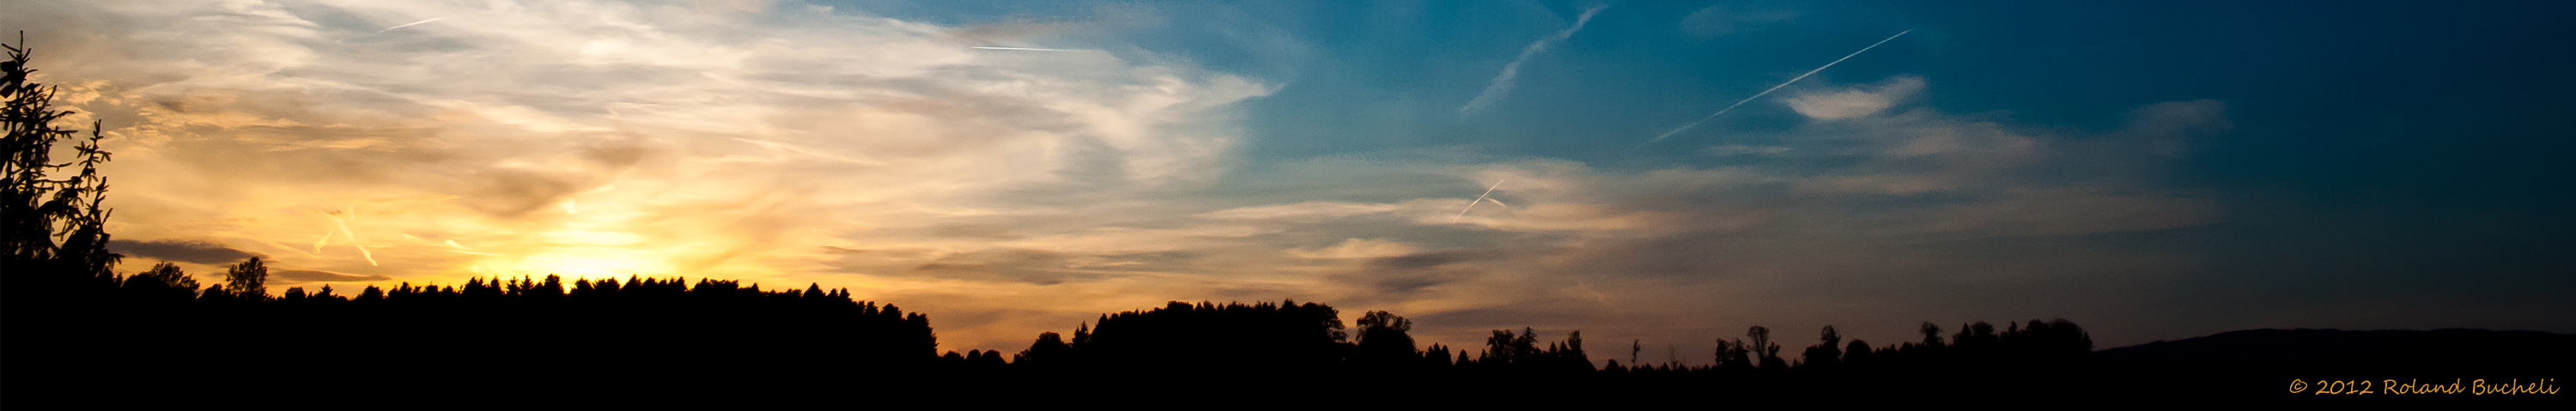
2149,170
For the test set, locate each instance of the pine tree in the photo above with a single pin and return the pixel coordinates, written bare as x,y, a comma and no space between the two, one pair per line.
28,117
52,228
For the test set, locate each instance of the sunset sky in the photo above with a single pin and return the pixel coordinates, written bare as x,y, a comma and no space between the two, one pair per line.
2149,170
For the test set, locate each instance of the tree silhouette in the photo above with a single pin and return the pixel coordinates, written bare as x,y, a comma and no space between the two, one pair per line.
164,281
52,227
1286,337
28,116
1384,324
249,280
1385,339
1049,350
1734,354
1858,353
1521,353
1763,347
1505,348
84,247
1826,354
1974,336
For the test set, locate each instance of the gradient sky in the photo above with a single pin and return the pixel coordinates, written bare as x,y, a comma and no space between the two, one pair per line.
2150,170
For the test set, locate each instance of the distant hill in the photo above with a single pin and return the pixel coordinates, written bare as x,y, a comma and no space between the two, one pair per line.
2445,350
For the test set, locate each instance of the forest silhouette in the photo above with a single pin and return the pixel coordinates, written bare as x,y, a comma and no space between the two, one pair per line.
77,327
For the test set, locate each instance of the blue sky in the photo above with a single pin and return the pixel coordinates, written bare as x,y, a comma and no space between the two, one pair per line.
2152,170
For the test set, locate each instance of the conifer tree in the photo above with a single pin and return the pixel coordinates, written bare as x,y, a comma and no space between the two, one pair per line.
52,230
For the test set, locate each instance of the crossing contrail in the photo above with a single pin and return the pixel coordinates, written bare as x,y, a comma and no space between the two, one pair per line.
416,23
1768,92
1016,48
1480,199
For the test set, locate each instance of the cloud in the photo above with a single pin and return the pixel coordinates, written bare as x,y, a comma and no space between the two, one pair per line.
317,276
1502,83
1030,266
1312,209
1740,149
188,251
2168,125
1419,261
1358,248
1855,102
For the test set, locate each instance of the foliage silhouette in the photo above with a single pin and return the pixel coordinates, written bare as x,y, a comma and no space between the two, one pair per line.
1212,337
165,281
248,281
52,228
1827,353
1386,340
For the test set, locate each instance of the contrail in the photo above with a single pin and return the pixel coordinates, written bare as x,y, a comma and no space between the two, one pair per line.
343,222
416,23
1767,92
1502,84
1480,199
1016,48
280,246
795,149
326,239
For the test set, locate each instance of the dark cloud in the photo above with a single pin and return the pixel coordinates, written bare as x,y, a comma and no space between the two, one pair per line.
1504,318
1401,277
1015,265
1011,265
189,251
316,276
617,154
512,193
1408,284
1421,260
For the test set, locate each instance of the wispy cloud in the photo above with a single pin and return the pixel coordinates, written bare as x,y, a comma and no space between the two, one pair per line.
1502,83
290,276
1855,102
1015,48
197,251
